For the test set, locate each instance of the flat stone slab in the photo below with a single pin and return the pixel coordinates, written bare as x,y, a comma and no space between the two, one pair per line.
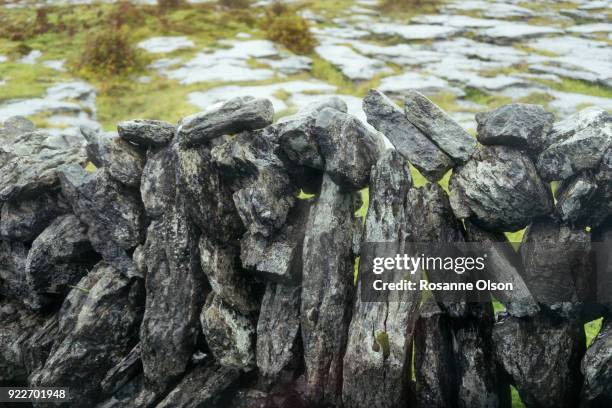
165,44
352,64
492,10
414,81
591,28
456,21
411,31
511,32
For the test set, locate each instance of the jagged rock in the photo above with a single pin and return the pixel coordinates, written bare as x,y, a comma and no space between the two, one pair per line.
113,214
104,330
230,335
278,258
264,193
13,255
202,387
278,334
327,292
158,183
122,160
505,266
542,355
146,133
132,394
59,257
284,397
221,265
295,134
29,161
577,143
16,125
597,369
499,189
557,266
434,359
602,244
25,341
207,198
518,125
480,383
174,297
447,134
349,148
586,200
421,152
140,261
376,363
24,220
121,374
227,118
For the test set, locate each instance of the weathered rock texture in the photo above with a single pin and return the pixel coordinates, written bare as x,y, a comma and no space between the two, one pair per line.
183,266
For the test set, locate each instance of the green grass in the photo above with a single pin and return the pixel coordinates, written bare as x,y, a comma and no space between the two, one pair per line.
516,399
483,98
591,330
25,81
582,87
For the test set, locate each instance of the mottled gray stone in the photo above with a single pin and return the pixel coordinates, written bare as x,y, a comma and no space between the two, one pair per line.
114,215
230,335
327,292
504,265
23,220
121,159
103,331
349,148
279,257
586,200
439,127
29,161
376,367
542,356
202,387
499,189
174,298
518,125
158,183
59,257
278,348
121,374
221,265
295,133
421,152
13,255
226,118
597,370
576,144
146,133
557,268
434,359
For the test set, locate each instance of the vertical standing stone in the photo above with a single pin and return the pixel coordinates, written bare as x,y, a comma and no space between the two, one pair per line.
377,360
327,292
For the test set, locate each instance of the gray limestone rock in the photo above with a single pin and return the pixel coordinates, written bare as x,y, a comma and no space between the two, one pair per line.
146,132
230,335
226,118
30,161
586,200
279,257
121,374
59,257
295,134
434,359
113,214
388,118
578,143
174,298
122,160
376,367
348,147
23,220
13,285
327,292
504,265
104,330
158,183
499,189
557,267
221,265
518,125
542,356
597,370
447,134
278,347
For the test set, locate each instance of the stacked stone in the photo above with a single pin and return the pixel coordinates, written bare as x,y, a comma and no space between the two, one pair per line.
185,265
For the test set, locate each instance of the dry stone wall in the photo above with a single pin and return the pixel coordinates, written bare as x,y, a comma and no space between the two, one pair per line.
185,267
